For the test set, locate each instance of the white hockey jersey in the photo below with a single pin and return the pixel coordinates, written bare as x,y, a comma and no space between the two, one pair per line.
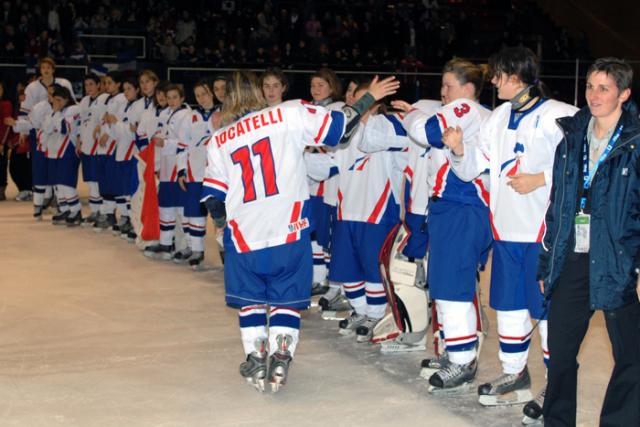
256,166
416,189
327,188
427,130
36,91
121,130
34,122
170,132
90,115
60,129
511,143
193,139
115,105
370,179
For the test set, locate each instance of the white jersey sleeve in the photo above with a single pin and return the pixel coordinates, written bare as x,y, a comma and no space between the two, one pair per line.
383,132
320,165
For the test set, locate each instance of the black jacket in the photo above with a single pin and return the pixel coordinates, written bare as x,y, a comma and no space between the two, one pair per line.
614,201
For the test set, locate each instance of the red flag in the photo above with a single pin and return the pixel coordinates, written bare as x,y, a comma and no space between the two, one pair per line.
150,215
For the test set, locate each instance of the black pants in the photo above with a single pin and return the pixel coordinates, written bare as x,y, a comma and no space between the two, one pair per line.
569,316
4,159
20,170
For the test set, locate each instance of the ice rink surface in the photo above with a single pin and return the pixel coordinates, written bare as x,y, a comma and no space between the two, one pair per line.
92,333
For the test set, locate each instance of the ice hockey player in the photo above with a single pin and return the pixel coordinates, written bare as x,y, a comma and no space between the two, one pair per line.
255,168
517,144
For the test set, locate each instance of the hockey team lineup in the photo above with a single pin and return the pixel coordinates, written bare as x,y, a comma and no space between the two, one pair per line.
384,211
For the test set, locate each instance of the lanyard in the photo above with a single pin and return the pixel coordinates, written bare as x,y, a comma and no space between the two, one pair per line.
589,174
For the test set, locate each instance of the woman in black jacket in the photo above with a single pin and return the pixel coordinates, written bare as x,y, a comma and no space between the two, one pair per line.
592,246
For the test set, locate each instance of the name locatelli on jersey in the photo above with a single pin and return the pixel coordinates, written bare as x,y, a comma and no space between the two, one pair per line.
249,124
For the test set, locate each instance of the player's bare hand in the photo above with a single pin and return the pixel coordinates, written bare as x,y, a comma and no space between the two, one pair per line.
216,120
401,105
182,182
452,138
133,128
22,139
541,283
385,87
110,119
103,140
159,142
524,183
96,132
9,121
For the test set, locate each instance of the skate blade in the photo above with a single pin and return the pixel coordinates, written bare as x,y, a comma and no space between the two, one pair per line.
333,315
528,421
259,384
346,332
513,398
276,384
400,348
464,388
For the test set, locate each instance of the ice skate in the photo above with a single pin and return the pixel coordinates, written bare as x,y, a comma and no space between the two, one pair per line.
23,196
180,257
319,288
74,221
279,363
330,308
131,236
115,228
196,260
104,222
254,369
125,228
90,220
37,213
507,389
454,379
349,325
533,409
433,365
60,218
163,252
364,332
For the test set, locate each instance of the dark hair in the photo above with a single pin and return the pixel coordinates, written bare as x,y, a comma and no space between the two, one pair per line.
175,86
618,69
161,87
63,92
116,76
205,82
329,76
92,76
278,74
518,61
133,81
467,72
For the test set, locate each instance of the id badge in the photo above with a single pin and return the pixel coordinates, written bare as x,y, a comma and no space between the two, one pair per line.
583,225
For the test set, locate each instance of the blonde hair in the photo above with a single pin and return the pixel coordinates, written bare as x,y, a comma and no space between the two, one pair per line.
242,95
468,72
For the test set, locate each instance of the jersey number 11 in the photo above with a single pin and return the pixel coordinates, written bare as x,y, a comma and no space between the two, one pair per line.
242,157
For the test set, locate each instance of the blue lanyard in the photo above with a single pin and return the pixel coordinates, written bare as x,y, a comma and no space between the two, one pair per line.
589,174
